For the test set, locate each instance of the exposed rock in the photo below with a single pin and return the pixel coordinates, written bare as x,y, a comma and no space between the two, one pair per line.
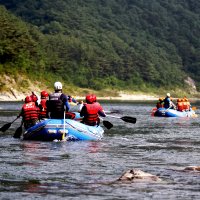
192,168
12,88
138,175
191,83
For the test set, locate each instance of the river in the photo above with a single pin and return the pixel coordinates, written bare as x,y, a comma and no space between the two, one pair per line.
80,170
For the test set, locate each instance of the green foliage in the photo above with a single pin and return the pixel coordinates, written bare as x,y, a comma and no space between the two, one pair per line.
136,45
18,52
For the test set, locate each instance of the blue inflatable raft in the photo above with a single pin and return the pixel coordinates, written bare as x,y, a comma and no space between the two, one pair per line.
163,112
53,129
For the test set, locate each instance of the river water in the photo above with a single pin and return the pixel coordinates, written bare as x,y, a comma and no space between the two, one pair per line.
81,170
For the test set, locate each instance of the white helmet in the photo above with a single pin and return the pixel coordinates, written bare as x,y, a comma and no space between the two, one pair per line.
168,94
58,86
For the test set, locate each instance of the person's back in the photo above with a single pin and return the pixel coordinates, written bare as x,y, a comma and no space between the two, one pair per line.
159,103
34,98
186,104
57,102
29,113
167,101
91,111
42,105
179,105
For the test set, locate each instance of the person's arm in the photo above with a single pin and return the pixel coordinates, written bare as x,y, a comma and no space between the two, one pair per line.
80,105
172,105
83,111
20,114
48,109
40,107
102,113
74,100
67,106
64,99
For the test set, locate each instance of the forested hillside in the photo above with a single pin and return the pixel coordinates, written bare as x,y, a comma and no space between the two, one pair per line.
141,45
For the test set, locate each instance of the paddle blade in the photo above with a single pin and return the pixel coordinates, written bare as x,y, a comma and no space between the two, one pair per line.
5,127
194,108
129,119
107,124
18,132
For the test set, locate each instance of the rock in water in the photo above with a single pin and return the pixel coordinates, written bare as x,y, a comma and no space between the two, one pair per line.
137,174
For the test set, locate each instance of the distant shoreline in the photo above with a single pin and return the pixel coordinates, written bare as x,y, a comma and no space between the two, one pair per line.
127,98
122,97
14,95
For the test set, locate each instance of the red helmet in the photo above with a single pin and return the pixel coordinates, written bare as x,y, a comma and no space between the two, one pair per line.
94,97
28,99
34,97
89,98
44,94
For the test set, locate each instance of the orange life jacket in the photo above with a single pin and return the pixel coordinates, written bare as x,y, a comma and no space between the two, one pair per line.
187,105
184,105
180,106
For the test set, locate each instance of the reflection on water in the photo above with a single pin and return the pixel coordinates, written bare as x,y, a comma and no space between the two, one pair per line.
80,170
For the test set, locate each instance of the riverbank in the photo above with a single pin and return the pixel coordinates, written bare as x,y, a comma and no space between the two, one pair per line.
11,91
14,95
128,97
124,97
16,90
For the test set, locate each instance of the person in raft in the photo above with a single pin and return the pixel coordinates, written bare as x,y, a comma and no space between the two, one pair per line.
34,98
72,101
183,104
42,105
160,103
57,103
29,113
168,103
91,111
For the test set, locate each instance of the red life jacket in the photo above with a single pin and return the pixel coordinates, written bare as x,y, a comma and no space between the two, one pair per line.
30,111
91,116
159,105
43,111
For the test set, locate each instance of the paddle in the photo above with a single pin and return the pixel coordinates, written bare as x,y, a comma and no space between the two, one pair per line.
18,132
7,126
194,108
125,118
63,135
107,124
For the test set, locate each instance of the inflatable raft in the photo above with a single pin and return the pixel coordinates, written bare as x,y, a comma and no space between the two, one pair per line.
163,112
53,129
